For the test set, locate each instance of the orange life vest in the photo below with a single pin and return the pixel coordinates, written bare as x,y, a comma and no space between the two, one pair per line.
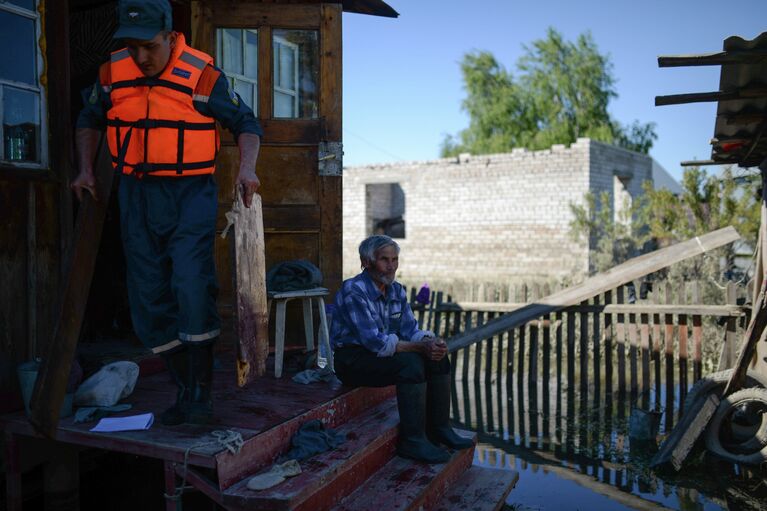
153,126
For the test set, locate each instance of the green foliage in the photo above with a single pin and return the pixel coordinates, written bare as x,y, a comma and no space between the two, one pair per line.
562,93
658,217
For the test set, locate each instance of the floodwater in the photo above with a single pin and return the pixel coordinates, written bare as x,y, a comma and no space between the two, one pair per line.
577,454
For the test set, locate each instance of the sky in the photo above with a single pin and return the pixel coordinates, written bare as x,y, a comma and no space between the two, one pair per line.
403,88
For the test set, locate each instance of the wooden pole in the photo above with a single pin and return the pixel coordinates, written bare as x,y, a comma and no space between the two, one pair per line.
52,378
252,309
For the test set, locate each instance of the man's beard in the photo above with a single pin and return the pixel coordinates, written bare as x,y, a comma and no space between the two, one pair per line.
383,279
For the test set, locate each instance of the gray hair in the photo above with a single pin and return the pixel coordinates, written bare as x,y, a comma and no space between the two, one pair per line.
370,247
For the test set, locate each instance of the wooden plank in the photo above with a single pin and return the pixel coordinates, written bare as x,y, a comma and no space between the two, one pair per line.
252,311
621,274
734,311
693,430
48,394
608,344
256,15
712,59
597,367
756,331
331,193
620,341
683,349
584,375
727,355
701,97
668,338
644,345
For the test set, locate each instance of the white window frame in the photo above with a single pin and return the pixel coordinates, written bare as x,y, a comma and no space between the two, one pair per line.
231,75
281,41
37,88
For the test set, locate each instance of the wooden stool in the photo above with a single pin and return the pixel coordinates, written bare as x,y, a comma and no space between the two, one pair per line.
307,296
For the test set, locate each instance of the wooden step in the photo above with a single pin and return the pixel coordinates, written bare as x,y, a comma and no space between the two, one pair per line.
259,451
328,477
479,489
404,484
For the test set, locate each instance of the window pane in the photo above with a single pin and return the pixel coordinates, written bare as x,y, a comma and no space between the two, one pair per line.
296,73
231,57
283,105
21,125
245,90
17,38
251,54
26,4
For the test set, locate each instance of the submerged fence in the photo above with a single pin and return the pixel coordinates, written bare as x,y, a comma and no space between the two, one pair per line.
580,366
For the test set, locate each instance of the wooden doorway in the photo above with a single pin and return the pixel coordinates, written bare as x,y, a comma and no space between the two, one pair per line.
286,62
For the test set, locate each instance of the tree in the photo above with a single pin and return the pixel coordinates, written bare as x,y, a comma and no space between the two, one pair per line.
660,218
562,93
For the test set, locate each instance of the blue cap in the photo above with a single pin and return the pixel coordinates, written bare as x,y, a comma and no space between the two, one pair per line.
142,19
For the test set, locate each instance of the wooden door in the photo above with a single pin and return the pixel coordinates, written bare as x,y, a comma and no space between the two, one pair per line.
286,60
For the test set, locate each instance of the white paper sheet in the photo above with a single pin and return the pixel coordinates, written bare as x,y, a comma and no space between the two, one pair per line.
131,423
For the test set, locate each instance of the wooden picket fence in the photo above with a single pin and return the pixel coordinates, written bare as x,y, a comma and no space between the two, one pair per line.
602,356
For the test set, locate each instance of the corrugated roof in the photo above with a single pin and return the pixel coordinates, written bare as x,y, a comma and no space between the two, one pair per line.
741,119
739,131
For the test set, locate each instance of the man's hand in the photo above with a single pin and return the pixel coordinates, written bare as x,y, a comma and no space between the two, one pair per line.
84,181
434,349
247,184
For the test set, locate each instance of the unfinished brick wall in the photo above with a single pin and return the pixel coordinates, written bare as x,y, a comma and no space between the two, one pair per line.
494,217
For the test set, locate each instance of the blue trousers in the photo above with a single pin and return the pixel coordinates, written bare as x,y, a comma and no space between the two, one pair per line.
168,229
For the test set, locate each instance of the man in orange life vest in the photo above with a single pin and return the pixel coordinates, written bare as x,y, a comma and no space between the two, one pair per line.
159,100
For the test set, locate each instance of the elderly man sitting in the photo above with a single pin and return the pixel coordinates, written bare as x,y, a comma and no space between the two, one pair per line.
377,342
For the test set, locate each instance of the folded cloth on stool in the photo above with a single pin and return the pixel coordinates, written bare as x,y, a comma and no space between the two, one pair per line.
293,276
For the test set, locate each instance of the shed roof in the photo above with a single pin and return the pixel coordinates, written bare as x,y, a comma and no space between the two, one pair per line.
741,117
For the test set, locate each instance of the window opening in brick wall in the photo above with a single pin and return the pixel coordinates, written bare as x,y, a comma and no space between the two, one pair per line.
385,209
621,200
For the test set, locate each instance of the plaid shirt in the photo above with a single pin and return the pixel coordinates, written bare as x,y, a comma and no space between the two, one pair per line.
364,316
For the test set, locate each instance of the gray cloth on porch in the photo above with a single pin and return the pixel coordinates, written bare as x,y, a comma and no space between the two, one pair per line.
314,375
293,276
310,439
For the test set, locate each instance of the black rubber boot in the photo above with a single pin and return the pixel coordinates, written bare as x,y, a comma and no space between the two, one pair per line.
178,367
438,414
413,444
201,379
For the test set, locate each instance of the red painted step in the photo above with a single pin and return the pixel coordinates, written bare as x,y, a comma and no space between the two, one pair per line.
404,484
479,489
328,477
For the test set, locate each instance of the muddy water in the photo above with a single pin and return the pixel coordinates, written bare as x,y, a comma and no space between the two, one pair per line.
578,454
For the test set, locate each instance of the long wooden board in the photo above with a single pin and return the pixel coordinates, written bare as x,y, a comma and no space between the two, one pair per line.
621,274
250,283
50,387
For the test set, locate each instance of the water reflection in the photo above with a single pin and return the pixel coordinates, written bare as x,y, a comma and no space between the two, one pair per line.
573,452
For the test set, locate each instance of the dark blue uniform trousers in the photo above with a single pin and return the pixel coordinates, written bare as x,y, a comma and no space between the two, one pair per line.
357,366
168,228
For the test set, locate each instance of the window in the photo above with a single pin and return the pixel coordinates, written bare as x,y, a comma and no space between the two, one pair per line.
621,200
22,116
385,209
296,74
237,56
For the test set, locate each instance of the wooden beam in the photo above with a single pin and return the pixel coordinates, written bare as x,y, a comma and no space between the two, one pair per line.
701,97
621,274
52,378
250,271
698,163
734,311
713,59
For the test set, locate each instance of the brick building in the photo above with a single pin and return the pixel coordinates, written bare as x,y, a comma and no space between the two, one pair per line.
488,218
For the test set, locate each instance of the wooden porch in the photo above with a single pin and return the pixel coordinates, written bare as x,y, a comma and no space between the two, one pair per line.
363,473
